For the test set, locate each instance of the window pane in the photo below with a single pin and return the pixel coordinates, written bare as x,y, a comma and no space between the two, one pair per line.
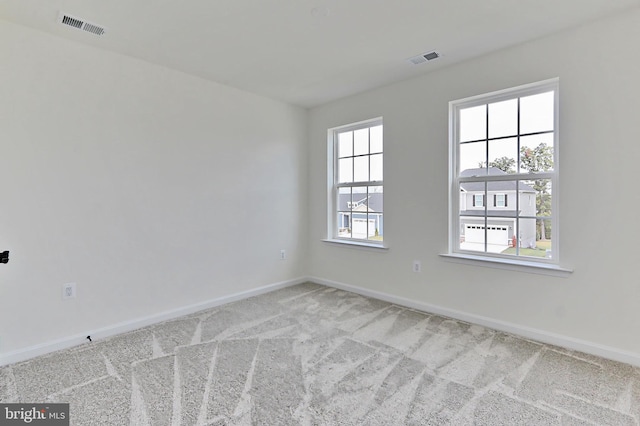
345,170
344,225
361,169
544,229
359,193
465,196
536,113
376,138
527,200
361,141
473,123
376,167
472,216
359,198
538,231
375,199
503,118
502,194
345,144
503,154
472,196
344,199
359,213
359,226
527,234
529,242
375,217
536,153
472,156
344,205
536,198
472,235
527,237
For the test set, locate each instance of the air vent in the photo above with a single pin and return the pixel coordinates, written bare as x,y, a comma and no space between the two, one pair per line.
417,60
431,56
425,57
81,24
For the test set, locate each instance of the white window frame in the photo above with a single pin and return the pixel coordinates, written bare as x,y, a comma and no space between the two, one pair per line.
503,198
333,184
504,261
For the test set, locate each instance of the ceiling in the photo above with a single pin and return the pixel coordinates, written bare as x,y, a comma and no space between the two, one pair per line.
307,52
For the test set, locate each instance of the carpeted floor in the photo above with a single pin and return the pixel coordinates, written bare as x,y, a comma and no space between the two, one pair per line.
313,355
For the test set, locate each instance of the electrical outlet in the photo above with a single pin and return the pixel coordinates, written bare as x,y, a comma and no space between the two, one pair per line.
417,266
283,254
68,291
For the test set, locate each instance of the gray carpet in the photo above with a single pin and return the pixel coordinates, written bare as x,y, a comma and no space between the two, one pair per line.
313,355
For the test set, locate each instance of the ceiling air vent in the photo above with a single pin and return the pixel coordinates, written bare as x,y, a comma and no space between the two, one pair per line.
425,57
81,24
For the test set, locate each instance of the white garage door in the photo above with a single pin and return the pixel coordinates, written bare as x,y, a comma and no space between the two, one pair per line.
495,234
360,228
498,235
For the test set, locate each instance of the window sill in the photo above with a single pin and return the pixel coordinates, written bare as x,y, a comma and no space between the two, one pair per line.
356,244
508,264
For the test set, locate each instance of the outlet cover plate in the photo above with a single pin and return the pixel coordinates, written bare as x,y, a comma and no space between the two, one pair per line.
68,291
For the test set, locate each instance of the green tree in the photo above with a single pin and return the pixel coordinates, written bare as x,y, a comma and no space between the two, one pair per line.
505,164
535,160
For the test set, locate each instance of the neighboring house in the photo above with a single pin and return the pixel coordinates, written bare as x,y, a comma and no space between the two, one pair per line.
360,216
501,212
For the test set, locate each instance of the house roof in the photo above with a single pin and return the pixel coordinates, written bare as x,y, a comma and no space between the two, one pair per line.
508,185
490,213
374,203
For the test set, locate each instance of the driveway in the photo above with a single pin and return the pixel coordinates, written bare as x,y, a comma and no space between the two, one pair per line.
491,248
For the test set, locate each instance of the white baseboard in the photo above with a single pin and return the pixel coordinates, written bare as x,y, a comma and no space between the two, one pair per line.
526,332
519,330
123,327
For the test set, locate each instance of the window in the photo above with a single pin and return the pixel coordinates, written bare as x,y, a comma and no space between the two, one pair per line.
500,200
504,149
356,193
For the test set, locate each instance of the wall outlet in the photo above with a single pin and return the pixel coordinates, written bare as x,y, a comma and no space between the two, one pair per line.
68,291
283,254
417,266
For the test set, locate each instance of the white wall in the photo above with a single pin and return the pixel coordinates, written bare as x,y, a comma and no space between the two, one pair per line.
599,70
154,190
150,189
